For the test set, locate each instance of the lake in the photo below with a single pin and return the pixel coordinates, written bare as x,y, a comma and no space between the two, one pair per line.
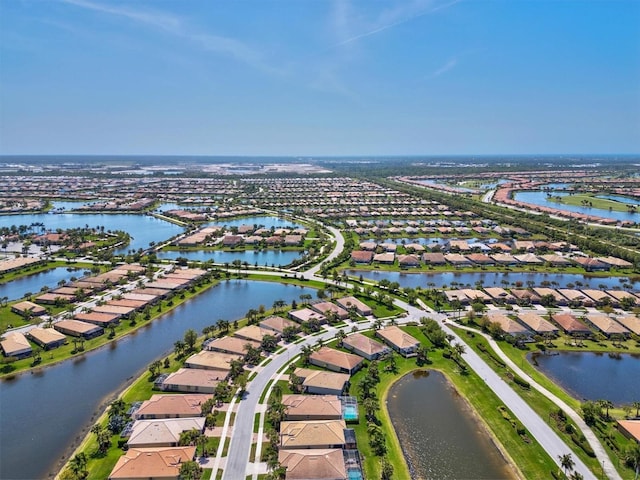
440,437
44,412
253,257
33,283
491,279
540,198
594,376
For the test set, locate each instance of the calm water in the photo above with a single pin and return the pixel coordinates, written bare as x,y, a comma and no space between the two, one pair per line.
540,198
265,221
593,376
492,279
142,228
439,436
43,413
33,283
262,258
621,199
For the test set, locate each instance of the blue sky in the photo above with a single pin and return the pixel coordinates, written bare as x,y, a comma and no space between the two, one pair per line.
319,77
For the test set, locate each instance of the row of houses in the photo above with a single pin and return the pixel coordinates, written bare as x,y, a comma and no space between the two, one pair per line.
530,323
587,297
367,255
90,324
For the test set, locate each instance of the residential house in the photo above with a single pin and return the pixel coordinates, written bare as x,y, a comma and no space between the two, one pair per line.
152,463
399,340
312,407
314,464
365,346
47,338
16,345
336,360
312,434
171,406
162,432
77,328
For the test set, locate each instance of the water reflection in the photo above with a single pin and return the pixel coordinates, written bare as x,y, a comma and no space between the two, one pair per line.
439,435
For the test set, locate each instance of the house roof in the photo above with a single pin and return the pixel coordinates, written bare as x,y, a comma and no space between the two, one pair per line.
606,324
180,404
537,323
508,326
253,332
570,323
322,379
194,377
278,324
365,344
337,358
26,305
231,345
15,344
76,326
631,322
212,360
313,405
398,337
631,426
347,302
162,431
45,336
311,433
163,462
320,464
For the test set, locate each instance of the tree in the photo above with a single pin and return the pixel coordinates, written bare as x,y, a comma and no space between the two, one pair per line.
103,437
269,343
178,348
422,355
190,339
289,334
632,458
154,368
78,465
305,353
606,404
371,406
566,462
340,336
386,469
636,405
190,470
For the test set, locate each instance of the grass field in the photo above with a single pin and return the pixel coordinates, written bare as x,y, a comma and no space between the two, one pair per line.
579,199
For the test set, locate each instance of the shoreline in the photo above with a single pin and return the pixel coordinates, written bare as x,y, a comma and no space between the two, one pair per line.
468,406
12,376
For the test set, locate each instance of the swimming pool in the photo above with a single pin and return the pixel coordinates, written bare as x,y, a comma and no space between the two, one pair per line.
350,412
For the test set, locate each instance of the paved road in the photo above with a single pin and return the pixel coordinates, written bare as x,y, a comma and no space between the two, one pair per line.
597,447
339,239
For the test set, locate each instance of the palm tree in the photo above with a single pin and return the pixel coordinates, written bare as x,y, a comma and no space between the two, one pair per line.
78,465
606,404
566,462
636,405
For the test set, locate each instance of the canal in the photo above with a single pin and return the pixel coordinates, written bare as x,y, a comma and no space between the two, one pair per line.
34,283
44,412
440,437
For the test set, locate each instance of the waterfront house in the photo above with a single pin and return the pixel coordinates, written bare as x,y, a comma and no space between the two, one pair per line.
52,298
591,264
409,260
475,295
206,360
399,340
77,328
457,260
27,308
362,256
630,322
607,325
576,297
16,345
118,310
525,296
315,464
233,345
570,324
312,407
499,295
630,429
152,463
163,432
96,318
504,258
365,346
599,297
278,324
536,323
387,258
192,380
620,295
324,307
435,258
305,314
508,326
171,406
47,338
312,434
322,382
336,360
255,333
615,262
352,302
558,299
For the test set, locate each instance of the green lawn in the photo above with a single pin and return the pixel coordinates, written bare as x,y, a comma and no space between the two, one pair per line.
530,458
591,201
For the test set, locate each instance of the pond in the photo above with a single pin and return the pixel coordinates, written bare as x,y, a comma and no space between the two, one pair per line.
594,376
440,437
142,228
252,257
43,413
492,279
621,199
265,221
33,283
540,198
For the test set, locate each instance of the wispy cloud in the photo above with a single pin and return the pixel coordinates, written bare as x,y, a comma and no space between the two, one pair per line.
176,26
392,18
451,63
